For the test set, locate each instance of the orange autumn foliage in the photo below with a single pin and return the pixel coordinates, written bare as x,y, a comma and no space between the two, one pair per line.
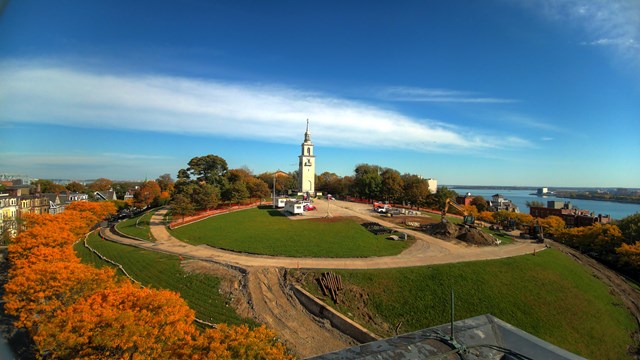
238,342
44,254
122,323
77,311
98,209
38,236
34,293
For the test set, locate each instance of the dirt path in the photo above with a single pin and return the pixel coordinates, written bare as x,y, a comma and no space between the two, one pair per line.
426,250
303,333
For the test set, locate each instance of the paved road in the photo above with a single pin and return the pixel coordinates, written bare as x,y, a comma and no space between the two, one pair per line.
426,250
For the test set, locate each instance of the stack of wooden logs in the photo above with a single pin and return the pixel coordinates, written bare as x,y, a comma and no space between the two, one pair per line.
331,283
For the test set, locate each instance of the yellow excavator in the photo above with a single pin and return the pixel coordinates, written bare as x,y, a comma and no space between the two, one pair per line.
467,219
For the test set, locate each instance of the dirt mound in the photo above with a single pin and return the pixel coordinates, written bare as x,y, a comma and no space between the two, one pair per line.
443,229
476,237
450,231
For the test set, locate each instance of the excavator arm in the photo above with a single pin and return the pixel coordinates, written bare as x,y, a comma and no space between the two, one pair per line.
467,219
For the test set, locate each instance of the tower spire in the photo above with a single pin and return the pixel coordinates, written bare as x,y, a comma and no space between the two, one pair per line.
307,134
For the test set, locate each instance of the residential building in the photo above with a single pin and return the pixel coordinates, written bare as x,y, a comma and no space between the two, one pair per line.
8,214
56,205
108,195
499,203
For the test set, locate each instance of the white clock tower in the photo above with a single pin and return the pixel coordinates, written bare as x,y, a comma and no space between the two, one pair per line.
307,165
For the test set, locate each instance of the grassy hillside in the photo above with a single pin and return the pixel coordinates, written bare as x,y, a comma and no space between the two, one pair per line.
547,295
164,272
137,226
269,232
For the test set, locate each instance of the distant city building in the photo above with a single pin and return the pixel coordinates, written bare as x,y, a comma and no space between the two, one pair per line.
307,165
499,203
433,185
542,191
572,217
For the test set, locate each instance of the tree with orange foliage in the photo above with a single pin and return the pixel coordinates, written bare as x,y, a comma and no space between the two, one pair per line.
128,322
34,293
98,209
471,210
39,236
486,216
630,257
239,342
552,225
100,184
148,192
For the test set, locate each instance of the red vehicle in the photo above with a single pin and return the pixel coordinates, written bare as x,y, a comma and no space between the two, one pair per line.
309,207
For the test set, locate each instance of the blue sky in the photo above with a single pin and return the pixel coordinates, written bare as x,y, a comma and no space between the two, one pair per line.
542,93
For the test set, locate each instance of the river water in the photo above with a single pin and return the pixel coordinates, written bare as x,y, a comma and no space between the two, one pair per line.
520,198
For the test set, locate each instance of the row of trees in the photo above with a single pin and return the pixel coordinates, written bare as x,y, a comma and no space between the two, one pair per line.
207,181
76,311
373,182
617,245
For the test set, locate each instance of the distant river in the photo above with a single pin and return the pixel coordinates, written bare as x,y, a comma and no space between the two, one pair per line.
520,198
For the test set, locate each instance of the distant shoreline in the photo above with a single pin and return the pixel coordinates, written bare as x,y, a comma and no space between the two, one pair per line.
586,197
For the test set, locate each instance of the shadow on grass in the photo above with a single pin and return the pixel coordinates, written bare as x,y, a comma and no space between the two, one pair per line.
270,210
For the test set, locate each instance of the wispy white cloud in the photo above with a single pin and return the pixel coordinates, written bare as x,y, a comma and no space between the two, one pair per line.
546,138
613,42
52,94
402,93
611,23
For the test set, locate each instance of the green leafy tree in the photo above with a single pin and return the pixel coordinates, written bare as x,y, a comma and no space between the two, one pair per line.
415,189
392,185
209,168
48,186
480,203
182,206
235,192
165,182
121,187
437,200
76,187
101,184
367,182
630,228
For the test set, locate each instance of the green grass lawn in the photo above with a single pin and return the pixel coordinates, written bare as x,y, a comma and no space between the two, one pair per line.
137,226
268,232
548,295
163,271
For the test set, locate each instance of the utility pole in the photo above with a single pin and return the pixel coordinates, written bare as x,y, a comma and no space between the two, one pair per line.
274,190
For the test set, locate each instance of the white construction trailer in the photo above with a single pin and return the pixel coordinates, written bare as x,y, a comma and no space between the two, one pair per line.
294,207
279,202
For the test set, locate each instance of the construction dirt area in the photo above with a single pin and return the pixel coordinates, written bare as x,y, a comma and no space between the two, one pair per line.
256,288
261,294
